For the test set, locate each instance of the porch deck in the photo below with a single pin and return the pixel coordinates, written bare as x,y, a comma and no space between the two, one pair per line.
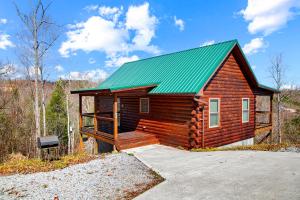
125,140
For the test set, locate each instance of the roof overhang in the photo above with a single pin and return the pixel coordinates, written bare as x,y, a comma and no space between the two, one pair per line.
96,91
268,88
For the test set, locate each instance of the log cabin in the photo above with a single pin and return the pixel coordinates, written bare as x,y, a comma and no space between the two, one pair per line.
196,98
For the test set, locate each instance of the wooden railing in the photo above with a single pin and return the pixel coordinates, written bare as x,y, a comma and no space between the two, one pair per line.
96,116
106,137
92,130
92,115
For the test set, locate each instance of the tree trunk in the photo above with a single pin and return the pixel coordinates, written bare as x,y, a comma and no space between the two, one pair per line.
278,119
68,123
36,83
44,108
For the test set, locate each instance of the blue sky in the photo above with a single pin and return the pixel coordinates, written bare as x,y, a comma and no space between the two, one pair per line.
99,35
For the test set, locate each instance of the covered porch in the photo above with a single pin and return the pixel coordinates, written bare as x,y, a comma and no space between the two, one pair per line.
263,114
104,123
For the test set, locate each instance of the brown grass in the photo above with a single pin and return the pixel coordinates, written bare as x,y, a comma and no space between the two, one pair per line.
256,147
17,163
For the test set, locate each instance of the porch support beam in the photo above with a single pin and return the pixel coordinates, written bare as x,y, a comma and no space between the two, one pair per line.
81,146
95,125
115,122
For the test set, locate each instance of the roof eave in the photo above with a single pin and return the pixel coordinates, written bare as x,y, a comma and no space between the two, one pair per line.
96,91
268,88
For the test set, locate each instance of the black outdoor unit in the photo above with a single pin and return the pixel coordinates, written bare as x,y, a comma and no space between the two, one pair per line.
49,147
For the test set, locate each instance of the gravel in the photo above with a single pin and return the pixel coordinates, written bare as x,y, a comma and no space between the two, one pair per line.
112,177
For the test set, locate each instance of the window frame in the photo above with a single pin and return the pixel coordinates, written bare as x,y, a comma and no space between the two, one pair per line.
219,111
248,109
148,100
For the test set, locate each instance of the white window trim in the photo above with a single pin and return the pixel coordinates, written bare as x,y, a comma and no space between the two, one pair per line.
141,105
248,109
219,111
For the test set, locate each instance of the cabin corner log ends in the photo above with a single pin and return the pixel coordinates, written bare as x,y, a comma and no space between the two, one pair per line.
196,127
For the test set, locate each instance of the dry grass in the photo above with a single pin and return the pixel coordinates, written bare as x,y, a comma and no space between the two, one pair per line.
256,147
141,188
17,163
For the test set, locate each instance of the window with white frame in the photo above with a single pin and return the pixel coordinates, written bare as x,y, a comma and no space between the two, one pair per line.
214,113
144,105
245,110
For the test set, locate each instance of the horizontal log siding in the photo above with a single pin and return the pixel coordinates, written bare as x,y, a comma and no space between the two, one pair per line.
168,118
230,85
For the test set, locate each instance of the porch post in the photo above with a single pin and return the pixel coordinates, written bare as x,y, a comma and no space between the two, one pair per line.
271,118
95,125
81,146
115,117
95,116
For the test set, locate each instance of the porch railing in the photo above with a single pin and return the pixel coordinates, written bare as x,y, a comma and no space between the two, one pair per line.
92,130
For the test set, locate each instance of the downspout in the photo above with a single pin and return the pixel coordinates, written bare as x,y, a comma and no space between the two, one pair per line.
201,103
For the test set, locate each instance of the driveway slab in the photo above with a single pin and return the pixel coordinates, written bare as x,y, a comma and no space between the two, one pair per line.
222,174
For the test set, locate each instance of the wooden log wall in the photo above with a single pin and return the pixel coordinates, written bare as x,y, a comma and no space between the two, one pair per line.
230,85
168,119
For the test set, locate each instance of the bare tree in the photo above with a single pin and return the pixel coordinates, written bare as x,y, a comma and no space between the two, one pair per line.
39,36
70,146
277,74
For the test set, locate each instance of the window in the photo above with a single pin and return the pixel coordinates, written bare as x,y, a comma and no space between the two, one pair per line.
214,113
144,105
245,110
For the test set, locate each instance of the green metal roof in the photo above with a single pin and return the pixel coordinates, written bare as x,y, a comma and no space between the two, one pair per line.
175,73
180,72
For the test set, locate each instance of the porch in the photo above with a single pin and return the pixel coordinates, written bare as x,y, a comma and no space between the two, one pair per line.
104,123
125,140
263,117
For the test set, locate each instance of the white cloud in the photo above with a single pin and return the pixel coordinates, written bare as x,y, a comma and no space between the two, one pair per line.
3,21
290,87
5,41
92,61
267,16
31,71
118,61
254,46
90,8
116,38
179,23
59,68
138,18
209,42
111,13
7,69
96,34
94,75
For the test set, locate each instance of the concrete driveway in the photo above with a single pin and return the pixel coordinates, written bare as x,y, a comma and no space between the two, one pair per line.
221,175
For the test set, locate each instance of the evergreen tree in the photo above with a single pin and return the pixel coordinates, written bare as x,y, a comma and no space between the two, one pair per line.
57,114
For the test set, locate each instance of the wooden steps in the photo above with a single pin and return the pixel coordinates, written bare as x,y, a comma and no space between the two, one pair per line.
134,139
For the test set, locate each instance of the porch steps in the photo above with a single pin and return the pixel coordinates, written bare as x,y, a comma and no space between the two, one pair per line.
136,139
